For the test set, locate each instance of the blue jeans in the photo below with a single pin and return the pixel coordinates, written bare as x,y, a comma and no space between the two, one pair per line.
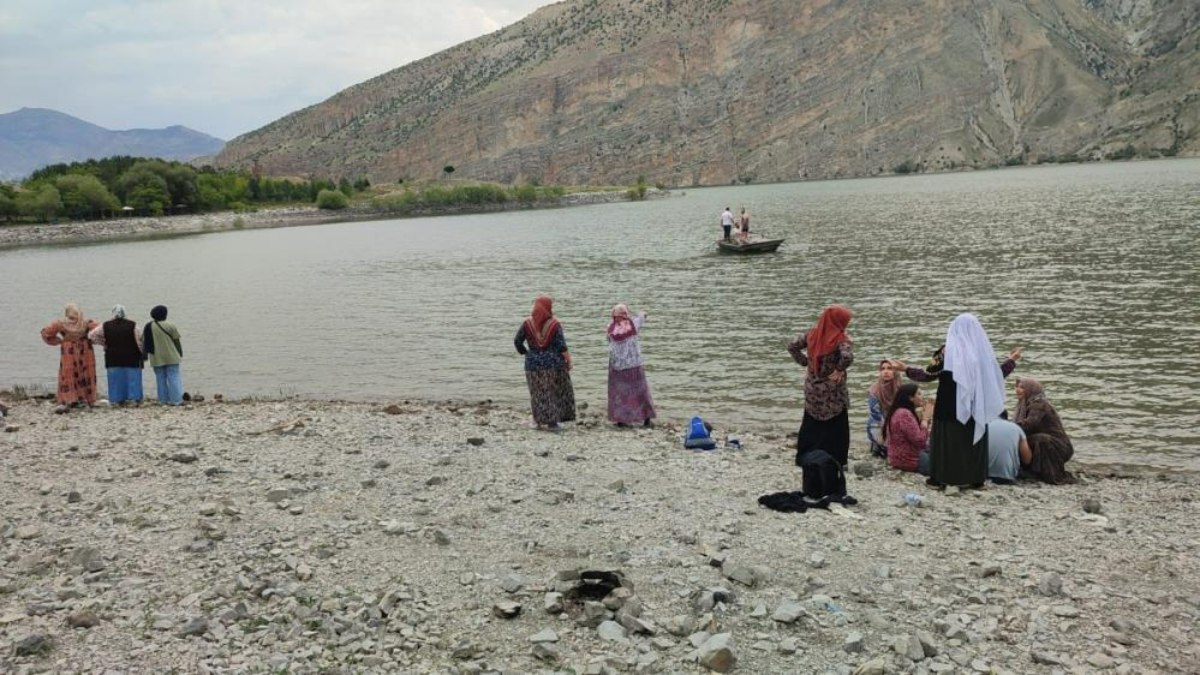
923,463
169,384
124,384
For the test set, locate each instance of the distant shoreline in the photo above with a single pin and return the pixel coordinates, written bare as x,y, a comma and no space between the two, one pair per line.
137,228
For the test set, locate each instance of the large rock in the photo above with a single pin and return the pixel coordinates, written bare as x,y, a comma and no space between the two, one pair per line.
611,631
789,612
718,653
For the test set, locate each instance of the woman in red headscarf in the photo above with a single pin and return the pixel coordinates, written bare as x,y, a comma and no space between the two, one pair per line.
547,366
629,399
825,352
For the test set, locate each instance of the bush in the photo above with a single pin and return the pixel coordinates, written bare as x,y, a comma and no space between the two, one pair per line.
332,200
638,191
1127,152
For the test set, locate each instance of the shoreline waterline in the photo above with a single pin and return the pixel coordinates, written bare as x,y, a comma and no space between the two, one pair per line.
146,228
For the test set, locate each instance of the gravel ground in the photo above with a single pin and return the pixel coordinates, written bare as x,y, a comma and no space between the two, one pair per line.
305,536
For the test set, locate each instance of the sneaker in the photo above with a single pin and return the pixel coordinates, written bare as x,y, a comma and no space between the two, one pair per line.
61,409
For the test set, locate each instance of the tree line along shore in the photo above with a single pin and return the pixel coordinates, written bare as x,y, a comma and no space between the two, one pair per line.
134,186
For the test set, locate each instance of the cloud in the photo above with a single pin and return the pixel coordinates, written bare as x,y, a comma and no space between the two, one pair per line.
224,67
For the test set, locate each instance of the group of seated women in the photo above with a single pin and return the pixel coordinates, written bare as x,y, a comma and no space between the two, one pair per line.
1034,444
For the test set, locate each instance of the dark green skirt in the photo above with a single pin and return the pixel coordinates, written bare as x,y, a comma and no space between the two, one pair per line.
953,459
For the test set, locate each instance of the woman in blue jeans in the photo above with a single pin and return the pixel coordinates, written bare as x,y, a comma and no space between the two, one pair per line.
164,352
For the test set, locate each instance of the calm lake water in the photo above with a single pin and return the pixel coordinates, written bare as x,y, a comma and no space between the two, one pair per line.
1093,269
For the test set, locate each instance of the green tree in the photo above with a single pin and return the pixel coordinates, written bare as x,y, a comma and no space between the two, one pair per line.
138,176
84,196
332,200
447,170
43,204
8,202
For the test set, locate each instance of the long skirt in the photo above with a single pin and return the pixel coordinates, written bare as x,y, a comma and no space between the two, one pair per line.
953,458
1050,456
168,382
124,384
831,435
77,373
629,399
551,396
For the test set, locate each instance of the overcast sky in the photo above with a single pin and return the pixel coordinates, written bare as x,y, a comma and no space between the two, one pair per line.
224,67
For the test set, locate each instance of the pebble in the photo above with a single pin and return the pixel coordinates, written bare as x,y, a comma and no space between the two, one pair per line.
194,626
506,609
1050,585
876,666
83,619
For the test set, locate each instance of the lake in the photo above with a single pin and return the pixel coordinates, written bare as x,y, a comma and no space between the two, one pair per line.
1093,269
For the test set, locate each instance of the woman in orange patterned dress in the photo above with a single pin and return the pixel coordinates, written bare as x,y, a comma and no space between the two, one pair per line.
77,367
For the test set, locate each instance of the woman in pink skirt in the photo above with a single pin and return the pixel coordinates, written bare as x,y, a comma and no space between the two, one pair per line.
629,399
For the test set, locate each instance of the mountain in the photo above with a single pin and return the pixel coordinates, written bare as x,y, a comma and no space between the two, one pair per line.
696,92
31,138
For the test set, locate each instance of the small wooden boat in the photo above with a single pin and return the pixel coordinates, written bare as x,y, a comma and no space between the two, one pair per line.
752,246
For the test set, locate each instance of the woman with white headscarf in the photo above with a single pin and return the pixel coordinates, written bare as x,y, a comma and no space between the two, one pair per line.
970,394
122,343
629,401
77,362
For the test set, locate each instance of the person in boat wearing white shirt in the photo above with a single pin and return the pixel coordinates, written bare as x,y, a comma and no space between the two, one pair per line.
727,222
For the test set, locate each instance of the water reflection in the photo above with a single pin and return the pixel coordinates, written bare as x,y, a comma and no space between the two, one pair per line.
1093,269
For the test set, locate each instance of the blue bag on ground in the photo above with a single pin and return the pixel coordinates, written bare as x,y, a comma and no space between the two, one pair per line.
699,437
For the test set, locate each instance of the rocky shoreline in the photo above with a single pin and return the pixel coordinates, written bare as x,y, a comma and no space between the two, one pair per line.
125,229
308,536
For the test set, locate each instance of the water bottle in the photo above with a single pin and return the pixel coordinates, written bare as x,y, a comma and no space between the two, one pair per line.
912,499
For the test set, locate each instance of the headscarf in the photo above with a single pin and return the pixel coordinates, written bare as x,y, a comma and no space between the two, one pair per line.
972,361
622,327
159,313
73,323
885,390
829,332
541,325
1034,392
118,311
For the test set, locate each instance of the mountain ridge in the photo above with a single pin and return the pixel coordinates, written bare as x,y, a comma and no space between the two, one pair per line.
719,91
31,138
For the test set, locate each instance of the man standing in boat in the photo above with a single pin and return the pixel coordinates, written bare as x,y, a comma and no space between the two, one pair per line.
727,222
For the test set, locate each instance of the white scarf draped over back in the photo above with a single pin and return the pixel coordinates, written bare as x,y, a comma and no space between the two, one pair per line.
980,384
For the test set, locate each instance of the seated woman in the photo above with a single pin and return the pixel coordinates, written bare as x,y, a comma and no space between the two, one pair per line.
1049,444
879,403
906,435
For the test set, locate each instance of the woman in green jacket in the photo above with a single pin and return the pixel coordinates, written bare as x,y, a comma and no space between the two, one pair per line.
164,352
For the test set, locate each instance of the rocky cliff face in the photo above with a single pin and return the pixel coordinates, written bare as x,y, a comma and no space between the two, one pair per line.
694,92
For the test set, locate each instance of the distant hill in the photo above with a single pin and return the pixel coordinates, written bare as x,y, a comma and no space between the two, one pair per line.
31,138
703,92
